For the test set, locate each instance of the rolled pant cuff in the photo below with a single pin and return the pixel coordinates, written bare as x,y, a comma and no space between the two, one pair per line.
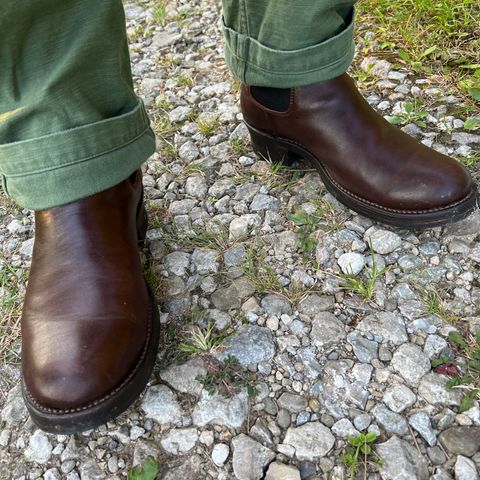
257,64
76,163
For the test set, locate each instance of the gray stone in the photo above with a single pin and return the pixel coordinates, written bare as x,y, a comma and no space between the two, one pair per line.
311,441
362,421
283,418
365,350
465,469
159,403
246,192
401,461
411,363
235,256
461,440
432,388
179,114
14,411
163,39
26,248
382,241
389,326
205,261
343,428
196,187
143,450
188,152
276,305
221,187
280,471
351,263
39,448
264,202
91,471
409,262
465,138
183,377
232,296
182,207
420,422
327,330
177,263
73,450
179,441
251,345
398,398
192,468
441,474
220,453
314,304
436,455
249,458
434,346
302,418
261,432
392,422
337,392
52,474
378,67
238,229
217,410
292,402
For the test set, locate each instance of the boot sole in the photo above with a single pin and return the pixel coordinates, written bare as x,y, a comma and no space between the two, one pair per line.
281,150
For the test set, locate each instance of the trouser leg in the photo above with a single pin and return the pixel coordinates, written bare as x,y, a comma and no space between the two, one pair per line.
285,43
70,122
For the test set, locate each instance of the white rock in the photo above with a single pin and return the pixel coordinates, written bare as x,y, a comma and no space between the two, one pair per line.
217,410
238,229
39,448
183,377
398,398
249,458
351,263
343,428
180,440
280,471
220,453
311,441
411,363
401,461
465,469
327,330
160,404
382,241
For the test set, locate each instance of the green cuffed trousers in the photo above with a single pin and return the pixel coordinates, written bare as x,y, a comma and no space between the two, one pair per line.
70,122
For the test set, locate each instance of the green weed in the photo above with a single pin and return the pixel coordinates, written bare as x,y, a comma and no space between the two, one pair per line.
414,113
436,306
259,271
363,286
160,13
227,378
437,37
203,339
208,127
470,382
361,451
148,471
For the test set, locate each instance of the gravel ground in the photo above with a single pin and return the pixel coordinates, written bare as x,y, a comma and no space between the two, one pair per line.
263,251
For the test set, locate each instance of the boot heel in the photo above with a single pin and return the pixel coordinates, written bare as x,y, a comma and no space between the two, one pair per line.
142,224
269,149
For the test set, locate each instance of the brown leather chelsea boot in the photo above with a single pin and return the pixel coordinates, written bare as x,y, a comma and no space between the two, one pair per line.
364,161
90,326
